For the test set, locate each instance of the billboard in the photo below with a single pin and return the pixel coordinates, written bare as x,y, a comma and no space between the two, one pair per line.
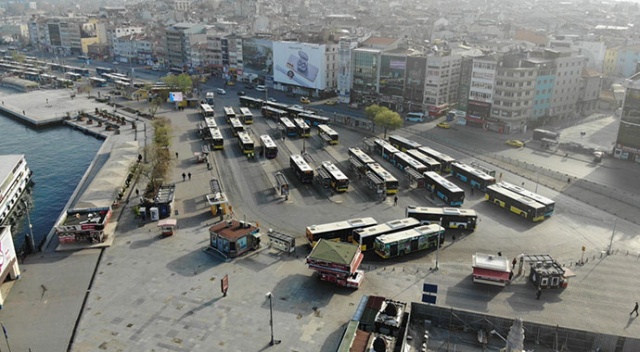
257,56
300,64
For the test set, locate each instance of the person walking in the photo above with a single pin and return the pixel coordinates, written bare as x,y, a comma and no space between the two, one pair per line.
184,176
137,192
189,176
395,200
513,263
176,155
539,293
635,309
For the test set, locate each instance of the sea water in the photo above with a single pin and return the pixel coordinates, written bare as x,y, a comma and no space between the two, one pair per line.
58,157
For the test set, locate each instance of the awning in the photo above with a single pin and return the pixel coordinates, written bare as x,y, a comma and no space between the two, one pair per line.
491,274
167,223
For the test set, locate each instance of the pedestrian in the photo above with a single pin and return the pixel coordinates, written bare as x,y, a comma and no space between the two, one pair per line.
208,166
514,262
176,155
499,254
395,200
184,176
510,275
189,176
539,293
137,192
23,113
283,137
47,100
635,309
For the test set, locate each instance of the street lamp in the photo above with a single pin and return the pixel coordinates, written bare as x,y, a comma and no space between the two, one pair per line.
270,297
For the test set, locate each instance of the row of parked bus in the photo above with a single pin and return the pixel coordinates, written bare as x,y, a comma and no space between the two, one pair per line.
429,165
388,240
328,173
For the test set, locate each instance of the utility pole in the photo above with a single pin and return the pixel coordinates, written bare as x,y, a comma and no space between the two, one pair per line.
610,250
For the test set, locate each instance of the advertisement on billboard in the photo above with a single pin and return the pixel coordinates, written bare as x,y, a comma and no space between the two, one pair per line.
257,56
300,64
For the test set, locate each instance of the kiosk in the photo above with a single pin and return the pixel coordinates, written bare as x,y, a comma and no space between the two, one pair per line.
167,226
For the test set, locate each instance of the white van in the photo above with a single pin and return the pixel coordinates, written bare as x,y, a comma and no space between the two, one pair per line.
261,88
415,117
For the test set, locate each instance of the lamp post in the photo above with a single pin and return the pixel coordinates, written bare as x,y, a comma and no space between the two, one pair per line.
270,297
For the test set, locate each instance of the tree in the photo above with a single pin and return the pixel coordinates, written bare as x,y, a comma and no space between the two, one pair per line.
383,117
388,120
181,82
160,160
158,100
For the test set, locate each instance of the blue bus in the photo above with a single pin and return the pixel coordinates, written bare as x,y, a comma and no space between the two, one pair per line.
475,178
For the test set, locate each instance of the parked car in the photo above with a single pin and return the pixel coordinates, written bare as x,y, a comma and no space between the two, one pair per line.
515,143
261,88
304,100
241,93
272,99
444,125
221,91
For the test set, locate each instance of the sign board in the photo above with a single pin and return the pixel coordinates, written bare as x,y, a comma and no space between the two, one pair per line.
224,285
300,64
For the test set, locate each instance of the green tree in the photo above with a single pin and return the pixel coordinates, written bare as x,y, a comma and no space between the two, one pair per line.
372,110
160,161
387,119
157,101
180,82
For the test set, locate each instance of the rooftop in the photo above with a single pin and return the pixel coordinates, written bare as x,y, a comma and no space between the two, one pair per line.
335,252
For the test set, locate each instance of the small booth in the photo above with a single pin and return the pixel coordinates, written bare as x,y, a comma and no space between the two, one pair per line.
281,241
490,269
337,262
199,157
233,238
167,226
547,273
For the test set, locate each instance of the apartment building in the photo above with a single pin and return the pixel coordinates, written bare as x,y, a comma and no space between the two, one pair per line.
483,75
60,35
134,48
545,81
442,79
566,90
180,38
513,94
344,73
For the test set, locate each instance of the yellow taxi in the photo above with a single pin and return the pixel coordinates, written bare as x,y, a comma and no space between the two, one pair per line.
443,125
515,143
304,100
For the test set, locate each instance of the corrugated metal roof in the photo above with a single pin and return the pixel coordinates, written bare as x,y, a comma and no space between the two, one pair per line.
334,252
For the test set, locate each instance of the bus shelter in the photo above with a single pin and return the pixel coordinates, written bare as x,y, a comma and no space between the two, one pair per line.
357,166
282,185
167,226
218,201
415,177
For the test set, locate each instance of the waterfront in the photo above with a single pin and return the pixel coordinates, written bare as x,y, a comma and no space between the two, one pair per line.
58,157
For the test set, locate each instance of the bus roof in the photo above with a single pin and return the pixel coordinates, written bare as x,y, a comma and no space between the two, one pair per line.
444,182
480,174
338,225
515,196
441,211
390,226
416,231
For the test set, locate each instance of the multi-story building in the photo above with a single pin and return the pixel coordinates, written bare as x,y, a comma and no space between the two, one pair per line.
442,79
627,142
566,90
513,94
589,92
365,68
134,48
60,35
545,80
180,38
483,75
344,74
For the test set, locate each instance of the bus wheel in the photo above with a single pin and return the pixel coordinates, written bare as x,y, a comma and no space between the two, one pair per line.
461,227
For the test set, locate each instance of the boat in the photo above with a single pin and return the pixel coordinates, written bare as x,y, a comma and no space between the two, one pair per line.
15,180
